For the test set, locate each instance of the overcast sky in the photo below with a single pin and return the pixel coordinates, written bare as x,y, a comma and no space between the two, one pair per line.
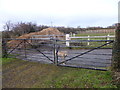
66,13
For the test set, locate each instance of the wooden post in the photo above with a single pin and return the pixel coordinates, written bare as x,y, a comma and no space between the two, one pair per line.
88,43
67,38
73,34
108,38
4,49
116,51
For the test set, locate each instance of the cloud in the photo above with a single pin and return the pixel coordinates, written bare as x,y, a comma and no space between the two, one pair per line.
60,12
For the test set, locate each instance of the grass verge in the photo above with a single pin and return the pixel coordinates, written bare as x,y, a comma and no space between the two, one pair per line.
24,74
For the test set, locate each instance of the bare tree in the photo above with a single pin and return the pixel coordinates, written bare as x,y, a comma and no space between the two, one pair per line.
8,26
23,28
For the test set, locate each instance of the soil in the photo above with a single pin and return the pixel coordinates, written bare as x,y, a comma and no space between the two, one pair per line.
48,31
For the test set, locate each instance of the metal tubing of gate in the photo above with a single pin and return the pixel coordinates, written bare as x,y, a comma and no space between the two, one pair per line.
25,48
40,51
55,52
86,52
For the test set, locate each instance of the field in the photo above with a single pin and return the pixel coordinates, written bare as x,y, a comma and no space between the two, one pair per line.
93,44
23,74
95,34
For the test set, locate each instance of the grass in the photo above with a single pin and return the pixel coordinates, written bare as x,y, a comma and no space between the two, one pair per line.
95,34
92,44
7,60
23,74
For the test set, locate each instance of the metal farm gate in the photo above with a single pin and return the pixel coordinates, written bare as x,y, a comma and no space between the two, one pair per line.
54,50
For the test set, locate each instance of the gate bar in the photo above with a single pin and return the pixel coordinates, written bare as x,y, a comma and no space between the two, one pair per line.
40,52
15,47
86,40
83,67
86,52
25,48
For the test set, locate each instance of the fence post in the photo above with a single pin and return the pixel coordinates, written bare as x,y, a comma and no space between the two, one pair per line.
73,34
108,38
88,43
67,38
116,50
4,49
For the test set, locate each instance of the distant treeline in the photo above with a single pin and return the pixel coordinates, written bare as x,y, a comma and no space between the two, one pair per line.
14,30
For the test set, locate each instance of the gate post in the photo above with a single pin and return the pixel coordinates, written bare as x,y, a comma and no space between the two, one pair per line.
55,52
4,48
116,47
116,50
